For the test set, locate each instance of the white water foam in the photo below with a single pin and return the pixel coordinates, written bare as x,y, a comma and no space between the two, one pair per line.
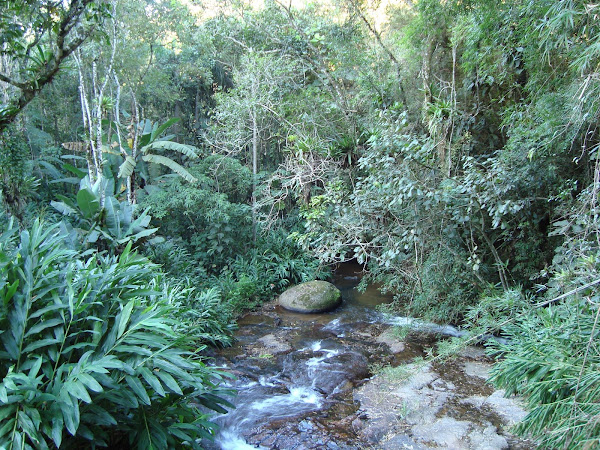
314,362
425,327
333,325
264,381
229,440
297,395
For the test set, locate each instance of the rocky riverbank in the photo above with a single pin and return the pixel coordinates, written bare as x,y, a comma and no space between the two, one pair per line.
444,405
344,380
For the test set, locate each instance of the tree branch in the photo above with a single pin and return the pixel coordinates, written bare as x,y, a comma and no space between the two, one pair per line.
62,50
12,82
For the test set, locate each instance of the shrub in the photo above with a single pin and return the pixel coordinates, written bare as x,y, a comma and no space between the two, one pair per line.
89,353
203,316
447,289
262,274
552,360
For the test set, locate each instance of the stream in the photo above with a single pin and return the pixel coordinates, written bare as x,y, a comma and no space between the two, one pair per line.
305,381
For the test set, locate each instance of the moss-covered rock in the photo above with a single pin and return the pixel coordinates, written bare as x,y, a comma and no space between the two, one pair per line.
311,297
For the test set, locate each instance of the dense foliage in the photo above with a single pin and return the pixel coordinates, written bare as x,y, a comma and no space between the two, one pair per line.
451,147
90,351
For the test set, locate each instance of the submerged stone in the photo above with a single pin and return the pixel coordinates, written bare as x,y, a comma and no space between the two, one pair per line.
311,297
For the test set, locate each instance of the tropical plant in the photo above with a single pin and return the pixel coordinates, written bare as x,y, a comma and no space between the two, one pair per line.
203,316
89,354
213,228
137,153
101,220
551,361
16,183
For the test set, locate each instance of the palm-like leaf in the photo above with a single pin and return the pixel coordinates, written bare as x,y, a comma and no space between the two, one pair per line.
158,130
127,168
188,150
167,162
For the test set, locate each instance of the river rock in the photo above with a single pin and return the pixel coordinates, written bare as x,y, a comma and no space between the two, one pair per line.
390,338
274,345
311,297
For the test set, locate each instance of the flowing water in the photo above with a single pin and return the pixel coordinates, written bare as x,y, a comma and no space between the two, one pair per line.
297,374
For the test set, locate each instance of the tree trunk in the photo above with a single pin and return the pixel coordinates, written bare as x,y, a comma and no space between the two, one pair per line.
426,73
254,169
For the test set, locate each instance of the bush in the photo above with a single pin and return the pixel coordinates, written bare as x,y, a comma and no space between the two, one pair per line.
447,287
89,352
263,274
204,316
552,360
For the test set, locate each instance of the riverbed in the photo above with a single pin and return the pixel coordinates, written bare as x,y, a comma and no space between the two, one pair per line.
349,379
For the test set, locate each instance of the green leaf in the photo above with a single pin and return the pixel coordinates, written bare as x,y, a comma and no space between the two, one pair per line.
74,170
137,387
4,394
136,237
113,218
90,382
7,426
169,381
39,344
28,426
57,430
35,368
127,168
161,129
78,390
124,318
42,311
17,440
88,202
152,381
38,328
188,150
63,208
167,162
71,418
12,288
6,410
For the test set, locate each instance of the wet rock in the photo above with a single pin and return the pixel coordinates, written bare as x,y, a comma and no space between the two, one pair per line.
429,408
328,371
311,297
336,374
442,385
487,439
511,410
473,352
357,424
305,425
298,376
374,434
390,338
477,369
445,432
400,442
274,345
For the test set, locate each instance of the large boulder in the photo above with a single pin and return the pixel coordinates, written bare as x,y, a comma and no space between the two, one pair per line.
311,297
